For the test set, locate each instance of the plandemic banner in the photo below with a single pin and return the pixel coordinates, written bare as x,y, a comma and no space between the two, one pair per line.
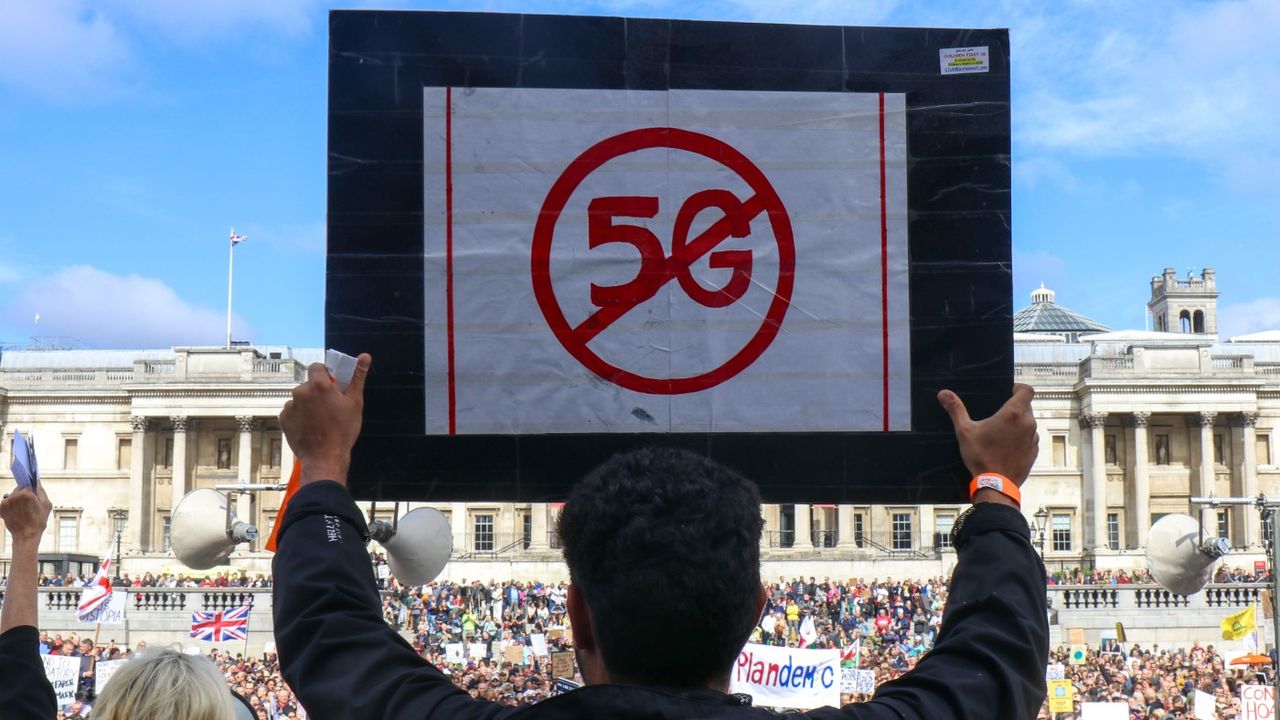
787,677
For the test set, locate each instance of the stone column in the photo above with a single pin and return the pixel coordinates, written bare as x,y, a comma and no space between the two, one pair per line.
538,540
1249,477
844,519
1141,482
181,424
1204,480
925,532
140,495
1095,507
804,536
246,424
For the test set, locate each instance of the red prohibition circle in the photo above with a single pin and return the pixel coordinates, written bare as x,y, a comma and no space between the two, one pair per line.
642,139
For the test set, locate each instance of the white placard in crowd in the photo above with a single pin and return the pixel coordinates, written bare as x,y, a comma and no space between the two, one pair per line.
1104,711
477,650
866,682
1055,671
110,612
193,650
538,641
1205,707
848,680
102,672
787,677
453,653
1257,702
63,672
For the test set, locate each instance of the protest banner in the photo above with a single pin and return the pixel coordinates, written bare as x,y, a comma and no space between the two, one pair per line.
1062,695
1104,711
111,612
782,677
63,672
865,682
1257,702
513,654
562,664
848,680
666,235
1055,671
538,641
455,653
1076,635
476,651
103,671
1204,705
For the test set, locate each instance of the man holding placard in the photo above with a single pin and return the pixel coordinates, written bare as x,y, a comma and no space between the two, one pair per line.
644,525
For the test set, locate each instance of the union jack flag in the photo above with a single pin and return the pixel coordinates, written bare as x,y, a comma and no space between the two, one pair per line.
221,626
237,239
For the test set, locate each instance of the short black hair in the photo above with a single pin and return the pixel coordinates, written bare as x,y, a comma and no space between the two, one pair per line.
664,546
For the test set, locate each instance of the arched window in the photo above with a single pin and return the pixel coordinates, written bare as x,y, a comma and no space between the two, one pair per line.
1198,321
1184,321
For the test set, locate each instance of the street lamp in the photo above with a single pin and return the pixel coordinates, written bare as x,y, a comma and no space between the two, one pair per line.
117,517
1042,528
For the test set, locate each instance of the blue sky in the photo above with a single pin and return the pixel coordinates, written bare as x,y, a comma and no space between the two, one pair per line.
134,133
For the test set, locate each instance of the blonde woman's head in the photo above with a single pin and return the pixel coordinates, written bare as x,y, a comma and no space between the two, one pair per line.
164,684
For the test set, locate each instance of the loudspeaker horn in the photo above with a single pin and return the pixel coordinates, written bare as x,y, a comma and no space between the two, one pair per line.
205,529
418,546
1178,557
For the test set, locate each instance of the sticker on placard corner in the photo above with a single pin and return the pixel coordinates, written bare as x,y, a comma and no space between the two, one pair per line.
957,61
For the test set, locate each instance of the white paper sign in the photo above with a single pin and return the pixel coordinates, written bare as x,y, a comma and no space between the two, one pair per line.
63,672
958,61
454,653
1257,702
866,682
1055,671
1205,707
103,671
788,677
665,261
538,641
1104,711
111,612
848,680
477,650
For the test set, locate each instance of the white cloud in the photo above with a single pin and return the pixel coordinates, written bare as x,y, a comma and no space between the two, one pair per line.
61,50
1199,80
1249,317
70,51
102,309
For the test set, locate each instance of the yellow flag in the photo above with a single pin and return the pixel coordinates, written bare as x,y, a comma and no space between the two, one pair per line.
1238,625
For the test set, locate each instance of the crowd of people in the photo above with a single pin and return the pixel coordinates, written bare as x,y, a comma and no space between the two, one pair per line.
488,635
225,579
1157,683
1077,576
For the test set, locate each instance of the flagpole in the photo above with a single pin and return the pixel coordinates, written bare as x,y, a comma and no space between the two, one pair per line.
231,258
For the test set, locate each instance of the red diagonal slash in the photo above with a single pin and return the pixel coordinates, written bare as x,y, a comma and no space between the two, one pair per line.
661,270
673,265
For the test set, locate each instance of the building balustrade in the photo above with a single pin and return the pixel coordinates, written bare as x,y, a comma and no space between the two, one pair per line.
1145,597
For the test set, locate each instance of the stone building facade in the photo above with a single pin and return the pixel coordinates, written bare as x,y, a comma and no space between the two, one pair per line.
1132,425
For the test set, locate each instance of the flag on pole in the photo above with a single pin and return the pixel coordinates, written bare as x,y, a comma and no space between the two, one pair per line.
96,592
221,626
237,239
851,657
808,633
1238,625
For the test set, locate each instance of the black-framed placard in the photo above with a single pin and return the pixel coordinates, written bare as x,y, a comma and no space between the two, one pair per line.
562,237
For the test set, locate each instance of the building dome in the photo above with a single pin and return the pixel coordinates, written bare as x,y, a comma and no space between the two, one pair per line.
1047,317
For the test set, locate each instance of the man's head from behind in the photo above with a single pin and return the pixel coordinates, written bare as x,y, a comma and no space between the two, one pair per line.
664,548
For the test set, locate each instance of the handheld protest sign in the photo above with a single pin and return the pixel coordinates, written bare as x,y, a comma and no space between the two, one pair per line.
564,237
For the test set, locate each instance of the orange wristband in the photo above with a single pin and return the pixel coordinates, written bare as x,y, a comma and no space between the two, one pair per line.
997,482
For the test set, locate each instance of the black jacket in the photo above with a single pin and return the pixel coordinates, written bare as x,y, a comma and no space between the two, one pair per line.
25,692
343,661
